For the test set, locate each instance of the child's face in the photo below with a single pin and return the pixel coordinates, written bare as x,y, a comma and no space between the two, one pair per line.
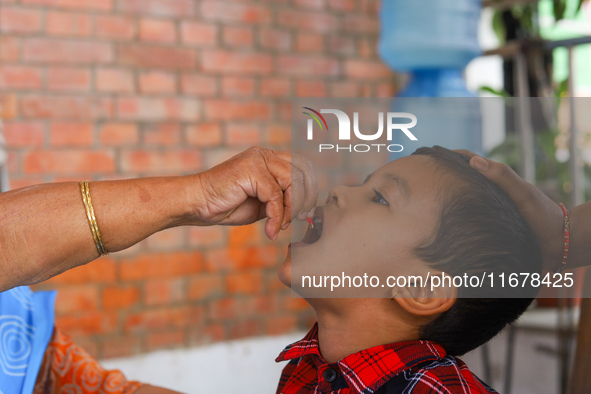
373,228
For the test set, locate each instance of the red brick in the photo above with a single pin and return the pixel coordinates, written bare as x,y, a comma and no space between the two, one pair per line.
18,182
74,299
19,20
214,157
198,84
206,236
227,109
309,42
359,69
204,134
164,291
114,80
385,90
226,308
237,86
105,107
278,133
343,5
241,257
295,304
165,340
310,4
45,50
169,161
240,236
205,286
244,329
121,347
25,134
9,49
102,5
308,66
68,79
169,239
157,82
238,36
283,110
20,77
361,24
158,109
114,27
89,345
64,107
71,134
163,134
161,265
222,61
157,57
279,325
243,134
13,162
118,134
310,89
244,282
367,49
157,319
195,33
340,45
275,39
98,271
68,162
275,87
68,24
119,297
344,89
235,12
8,106
87,323
315,21
157,30
174,8
205,335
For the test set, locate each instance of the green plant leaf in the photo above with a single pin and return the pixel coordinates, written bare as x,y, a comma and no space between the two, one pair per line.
499,92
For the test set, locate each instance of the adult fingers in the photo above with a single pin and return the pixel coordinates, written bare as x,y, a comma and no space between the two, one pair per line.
310,183
269,192
465,152
520,191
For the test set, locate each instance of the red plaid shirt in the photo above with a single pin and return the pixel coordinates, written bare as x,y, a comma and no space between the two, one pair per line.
418,367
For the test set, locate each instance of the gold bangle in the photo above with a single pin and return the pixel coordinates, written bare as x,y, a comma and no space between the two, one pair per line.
96,234
94,222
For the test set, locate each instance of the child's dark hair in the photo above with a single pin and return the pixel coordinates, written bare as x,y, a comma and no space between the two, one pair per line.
480,230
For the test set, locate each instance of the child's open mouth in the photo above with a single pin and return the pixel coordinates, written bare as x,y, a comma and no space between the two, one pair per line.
314,233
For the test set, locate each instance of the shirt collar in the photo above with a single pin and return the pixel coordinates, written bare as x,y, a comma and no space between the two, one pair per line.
385,360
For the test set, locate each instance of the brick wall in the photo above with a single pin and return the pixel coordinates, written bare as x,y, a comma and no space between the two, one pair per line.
110,89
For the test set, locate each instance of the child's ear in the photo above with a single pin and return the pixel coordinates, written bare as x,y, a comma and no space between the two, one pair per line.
425,300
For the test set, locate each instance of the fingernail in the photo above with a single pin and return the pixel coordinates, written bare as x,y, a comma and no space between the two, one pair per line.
285,226
311,213
480,163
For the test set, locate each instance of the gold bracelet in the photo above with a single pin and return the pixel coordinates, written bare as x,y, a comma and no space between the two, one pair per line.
96,234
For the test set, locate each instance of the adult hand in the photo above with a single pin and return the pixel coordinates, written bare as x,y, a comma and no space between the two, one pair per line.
255,184
543,215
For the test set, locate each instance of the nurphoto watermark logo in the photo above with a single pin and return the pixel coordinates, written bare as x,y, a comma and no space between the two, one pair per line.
345,130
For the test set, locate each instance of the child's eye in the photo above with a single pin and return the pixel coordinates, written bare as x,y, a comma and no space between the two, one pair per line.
379,198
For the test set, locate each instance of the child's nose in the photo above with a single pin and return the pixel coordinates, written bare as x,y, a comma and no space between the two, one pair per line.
337,195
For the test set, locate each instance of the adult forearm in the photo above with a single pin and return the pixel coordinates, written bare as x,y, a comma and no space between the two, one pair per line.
44,229
579,254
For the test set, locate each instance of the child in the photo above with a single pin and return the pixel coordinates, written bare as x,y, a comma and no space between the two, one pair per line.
426,214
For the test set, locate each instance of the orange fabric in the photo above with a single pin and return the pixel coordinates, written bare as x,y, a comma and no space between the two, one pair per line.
68,369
